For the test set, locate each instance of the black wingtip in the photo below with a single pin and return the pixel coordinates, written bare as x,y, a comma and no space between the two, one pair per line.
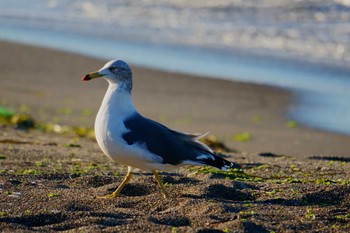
220,163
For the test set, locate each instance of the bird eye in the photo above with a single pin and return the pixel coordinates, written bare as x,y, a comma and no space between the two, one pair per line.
112,68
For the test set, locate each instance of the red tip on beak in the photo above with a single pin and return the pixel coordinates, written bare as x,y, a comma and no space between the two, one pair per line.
86,78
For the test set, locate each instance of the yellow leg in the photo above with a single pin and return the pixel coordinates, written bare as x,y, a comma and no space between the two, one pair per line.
121,186
160,183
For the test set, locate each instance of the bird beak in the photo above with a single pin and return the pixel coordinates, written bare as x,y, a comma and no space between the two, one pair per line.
92,76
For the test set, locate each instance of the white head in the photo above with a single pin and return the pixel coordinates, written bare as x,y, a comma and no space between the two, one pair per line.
115,72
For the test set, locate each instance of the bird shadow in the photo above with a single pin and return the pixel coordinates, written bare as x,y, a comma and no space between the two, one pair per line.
134,190
173,178
221,192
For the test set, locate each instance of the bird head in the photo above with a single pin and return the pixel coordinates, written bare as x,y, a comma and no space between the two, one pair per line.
115,71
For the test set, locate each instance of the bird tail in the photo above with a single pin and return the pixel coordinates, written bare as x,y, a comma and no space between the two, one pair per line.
216,161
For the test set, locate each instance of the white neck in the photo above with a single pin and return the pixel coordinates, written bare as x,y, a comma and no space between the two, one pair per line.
117,103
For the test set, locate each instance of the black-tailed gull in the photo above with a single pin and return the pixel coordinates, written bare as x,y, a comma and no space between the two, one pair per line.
133,140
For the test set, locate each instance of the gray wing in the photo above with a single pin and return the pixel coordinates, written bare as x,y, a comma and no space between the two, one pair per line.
172,146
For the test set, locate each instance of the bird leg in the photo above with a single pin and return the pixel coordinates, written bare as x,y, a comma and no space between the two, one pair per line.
160,183
121,186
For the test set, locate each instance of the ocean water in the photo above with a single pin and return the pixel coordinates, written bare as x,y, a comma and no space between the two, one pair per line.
303,46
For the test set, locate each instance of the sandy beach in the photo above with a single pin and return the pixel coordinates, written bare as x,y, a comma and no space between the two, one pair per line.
49,82
47,85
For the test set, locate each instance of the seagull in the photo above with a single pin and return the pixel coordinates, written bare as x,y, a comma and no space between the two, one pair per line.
131,139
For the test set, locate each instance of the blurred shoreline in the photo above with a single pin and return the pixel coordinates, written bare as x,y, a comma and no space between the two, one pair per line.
48,83
320,90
